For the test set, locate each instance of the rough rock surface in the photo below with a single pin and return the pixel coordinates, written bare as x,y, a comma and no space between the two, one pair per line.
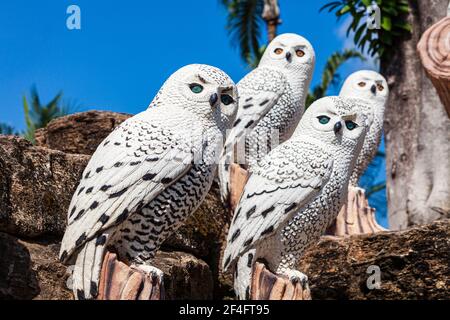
414,264
79,133
31,270
36,186
185,277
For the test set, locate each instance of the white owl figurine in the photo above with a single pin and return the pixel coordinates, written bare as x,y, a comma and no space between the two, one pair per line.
271,103
295,192
373,88
149,175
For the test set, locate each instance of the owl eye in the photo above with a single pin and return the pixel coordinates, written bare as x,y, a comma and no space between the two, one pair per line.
323,119
300,53
226,99
196,88
380,87
362,84
278,51
350,125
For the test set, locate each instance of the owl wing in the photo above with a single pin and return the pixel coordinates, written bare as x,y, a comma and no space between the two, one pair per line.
285,182
259,91
135,163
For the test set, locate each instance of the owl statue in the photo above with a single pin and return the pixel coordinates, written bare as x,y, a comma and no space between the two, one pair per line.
149,175
271,103
295,192
371,87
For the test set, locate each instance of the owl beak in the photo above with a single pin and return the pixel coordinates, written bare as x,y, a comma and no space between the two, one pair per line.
373,89
337,127
213,99
288,56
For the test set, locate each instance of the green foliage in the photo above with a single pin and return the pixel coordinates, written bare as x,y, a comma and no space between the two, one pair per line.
376,41
330,76
375,188
7,129
38,115
244,26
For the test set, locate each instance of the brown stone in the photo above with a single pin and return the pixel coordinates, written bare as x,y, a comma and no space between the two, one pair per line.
414,264
185,276
79,133
36,187
30,270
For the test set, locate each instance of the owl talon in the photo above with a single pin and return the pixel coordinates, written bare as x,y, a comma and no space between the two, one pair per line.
297,277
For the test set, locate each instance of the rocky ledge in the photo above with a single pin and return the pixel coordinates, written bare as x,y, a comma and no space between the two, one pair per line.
37,182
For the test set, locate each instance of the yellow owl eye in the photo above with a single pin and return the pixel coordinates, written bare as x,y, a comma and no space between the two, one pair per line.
300,53
278,51
380,87
362,84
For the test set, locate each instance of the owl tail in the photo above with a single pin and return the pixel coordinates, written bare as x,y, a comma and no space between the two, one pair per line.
243,275
86,274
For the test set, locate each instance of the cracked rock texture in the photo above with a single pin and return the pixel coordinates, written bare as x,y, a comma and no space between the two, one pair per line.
413,264
36,186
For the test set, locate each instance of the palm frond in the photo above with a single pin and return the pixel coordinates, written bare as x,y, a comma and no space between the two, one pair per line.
376,188
244,25
38,115
30,125
6,129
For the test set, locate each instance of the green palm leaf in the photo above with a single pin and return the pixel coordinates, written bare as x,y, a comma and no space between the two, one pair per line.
244,25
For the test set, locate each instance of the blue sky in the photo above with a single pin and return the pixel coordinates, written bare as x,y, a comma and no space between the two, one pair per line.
126,49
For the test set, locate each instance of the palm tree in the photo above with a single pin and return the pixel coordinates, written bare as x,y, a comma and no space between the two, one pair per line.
6,129
245,19
330,75
39,115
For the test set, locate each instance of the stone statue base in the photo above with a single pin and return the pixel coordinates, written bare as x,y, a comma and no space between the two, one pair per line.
118,281
268,286
355,217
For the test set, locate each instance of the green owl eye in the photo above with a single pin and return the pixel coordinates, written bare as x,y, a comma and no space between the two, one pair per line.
196,88
350,125
226,99
323,119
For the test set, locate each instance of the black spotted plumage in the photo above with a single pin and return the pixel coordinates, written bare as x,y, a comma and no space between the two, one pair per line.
134,193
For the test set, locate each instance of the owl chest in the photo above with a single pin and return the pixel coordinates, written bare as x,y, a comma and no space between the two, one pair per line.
308,224
142,234
284,116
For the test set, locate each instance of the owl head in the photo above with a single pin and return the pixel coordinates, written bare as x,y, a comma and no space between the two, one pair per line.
289,51
203,90
367,85
336,121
